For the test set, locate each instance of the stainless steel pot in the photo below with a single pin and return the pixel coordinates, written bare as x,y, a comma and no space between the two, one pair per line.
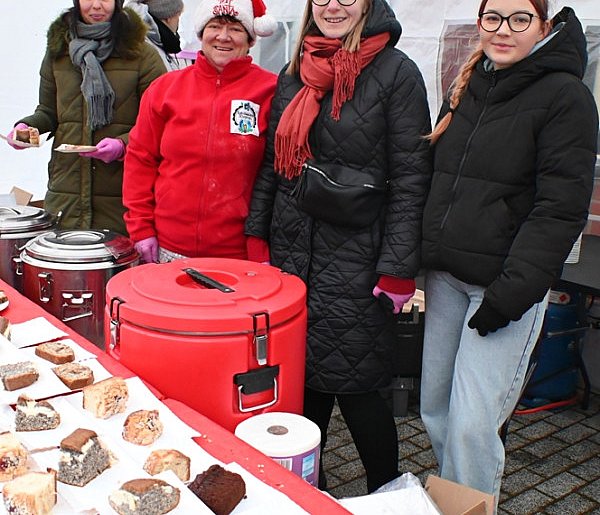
18,225
66,273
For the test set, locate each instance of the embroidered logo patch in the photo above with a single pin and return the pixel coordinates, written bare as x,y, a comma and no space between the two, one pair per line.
244,117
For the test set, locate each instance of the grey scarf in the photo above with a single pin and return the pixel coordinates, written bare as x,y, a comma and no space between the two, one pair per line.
89,48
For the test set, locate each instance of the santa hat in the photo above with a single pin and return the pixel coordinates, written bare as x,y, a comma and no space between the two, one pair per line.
252,14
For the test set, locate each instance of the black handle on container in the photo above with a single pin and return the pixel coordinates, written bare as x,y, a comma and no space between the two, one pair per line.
206,281
257,380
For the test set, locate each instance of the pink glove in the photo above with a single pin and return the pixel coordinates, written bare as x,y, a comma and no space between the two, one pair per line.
399,299
11,135
107,150
148,249
397,289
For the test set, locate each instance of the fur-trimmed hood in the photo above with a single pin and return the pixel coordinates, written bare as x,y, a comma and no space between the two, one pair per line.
129,46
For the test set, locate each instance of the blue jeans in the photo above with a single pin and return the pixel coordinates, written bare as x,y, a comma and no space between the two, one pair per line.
471,384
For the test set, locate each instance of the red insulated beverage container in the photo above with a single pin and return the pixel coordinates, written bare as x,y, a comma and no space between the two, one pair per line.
224,336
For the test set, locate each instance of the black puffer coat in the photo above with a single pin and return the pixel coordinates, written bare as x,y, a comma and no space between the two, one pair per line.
349,340
513,174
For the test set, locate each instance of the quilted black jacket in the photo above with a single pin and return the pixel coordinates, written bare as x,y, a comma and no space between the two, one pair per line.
349,338
513,174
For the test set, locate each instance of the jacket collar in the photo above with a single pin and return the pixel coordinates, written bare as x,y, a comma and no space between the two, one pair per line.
233,71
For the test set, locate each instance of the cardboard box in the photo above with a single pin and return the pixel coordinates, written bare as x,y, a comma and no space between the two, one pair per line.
454,499
21,196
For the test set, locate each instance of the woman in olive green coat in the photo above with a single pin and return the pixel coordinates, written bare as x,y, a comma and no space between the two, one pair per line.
96,67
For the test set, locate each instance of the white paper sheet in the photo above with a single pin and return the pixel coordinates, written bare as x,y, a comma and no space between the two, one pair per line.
48,383
262,499
62,507
34,331
140,397
95,494
51,438
80,353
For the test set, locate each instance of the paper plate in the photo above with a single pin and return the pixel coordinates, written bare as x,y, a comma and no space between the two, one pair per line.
71,149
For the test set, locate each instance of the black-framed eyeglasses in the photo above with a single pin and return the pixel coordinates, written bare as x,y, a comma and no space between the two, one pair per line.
520,21
323,3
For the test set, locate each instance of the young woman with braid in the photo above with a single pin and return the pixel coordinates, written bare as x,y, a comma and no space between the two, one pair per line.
514,154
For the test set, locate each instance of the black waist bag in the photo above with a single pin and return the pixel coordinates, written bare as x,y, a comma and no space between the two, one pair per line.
338,194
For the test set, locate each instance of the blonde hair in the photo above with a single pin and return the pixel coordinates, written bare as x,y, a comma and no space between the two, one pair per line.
351,41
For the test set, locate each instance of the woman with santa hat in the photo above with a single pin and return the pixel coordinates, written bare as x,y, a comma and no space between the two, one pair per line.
96,67
199,139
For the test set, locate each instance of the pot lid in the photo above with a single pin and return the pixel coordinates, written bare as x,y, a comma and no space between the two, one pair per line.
17,219
80,246
219,295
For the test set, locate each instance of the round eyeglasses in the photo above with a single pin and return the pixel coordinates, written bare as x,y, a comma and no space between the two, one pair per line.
323,3
517,22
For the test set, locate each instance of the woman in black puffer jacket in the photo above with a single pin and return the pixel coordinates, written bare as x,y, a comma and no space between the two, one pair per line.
513,166
370,119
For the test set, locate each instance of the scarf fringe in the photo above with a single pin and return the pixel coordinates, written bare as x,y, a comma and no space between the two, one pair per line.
325,66
100,110
346,67
289,156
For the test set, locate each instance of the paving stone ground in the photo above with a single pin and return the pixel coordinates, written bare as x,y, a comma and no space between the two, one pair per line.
552,463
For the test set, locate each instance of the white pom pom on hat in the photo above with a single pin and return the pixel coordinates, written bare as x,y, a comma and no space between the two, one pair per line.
252,14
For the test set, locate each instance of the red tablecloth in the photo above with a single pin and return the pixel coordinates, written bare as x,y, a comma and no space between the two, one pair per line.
217,441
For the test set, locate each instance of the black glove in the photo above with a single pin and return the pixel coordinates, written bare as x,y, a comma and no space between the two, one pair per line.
487,320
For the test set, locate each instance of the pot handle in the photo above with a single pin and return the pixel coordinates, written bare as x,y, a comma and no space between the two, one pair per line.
256,381
206,281
45,286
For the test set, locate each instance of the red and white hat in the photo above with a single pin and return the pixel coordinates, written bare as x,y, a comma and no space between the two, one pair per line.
252,14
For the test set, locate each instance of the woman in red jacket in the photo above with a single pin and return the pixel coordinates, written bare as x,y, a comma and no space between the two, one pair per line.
198,142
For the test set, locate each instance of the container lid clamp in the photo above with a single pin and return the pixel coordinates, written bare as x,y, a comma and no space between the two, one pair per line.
115,321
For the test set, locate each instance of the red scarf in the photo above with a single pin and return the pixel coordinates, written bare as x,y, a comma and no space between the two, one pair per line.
325,66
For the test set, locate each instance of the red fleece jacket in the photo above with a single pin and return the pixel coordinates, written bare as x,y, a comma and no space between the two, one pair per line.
193,156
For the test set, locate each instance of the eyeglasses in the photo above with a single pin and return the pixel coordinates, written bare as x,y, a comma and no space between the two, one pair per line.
517,22
323,3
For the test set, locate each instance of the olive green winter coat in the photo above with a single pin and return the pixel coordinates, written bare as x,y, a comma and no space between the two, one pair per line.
88,191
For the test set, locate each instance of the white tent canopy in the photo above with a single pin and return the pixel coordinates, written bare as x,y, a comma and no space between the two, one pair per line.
23,31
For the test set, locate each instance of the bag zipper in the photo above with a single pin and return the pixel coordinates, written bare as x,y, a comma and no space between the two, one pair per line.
331,181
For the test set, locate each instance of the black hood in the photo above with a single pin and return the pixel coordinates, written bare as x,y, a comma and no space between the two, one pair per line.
567,51
382,19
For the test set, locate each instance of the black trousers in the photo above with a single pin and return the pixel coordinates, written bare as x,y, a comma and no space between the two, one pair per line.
371,425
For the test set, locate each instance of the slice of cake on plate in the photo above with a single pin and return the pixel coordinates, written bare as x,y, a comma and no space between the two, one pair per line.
142,427
33,493
82,458
55,352
106,398
32,415
144,497
168,459
13,457
74,375
220,489
18,375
